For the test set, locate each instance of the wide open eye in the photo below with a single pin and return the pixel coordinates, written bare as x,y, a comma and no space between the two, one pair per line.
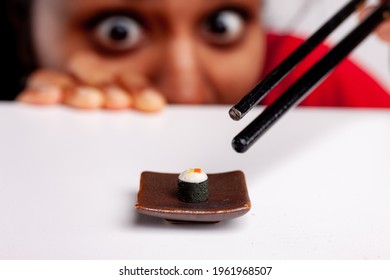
118,33
224,27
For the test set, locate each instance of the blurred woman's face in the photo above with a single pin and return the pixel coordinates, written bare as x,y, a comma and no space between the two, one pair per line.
198,51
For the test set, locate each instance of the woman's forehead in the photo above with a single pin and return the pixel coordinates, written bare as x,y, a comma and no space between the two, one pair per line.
77,5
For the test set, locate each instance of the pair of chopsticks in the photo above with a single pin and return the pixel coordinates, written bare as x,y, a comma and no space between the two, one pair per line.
300,89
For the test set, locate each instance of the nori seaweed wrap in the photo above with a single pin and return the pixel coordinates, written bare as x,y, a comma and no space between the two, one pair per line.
193,185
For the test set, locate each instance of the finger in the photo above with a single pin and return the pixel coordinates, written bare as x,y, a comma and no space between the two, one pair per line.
44,95
117,98
45,87
47,77
85,97
145,97
90,69
132,82
149,100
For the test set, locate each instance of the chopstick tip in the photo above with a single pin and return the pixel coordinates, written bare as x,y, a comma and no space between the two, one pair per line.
235,114
240,145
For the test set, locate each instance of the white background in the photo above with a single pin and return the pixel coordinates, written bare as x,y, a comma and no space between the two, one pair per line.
319,183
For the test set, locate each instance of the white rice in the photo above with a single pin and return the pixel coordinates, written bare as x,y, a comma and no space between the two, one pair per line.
193,177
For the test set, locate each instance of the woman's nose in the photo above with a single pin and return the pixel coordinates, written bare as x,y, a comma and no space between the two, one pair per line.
182,77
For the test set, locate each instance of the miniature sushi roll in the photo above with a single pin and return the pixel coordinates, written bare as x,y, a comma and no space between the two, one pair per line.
193,185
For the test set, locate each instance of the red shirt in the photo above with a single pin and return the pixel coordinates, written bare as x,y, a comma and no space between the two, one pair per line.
347,85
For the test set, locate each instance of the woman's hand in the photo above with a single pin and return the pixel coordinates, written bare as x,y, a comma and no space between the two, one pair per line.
87,84
383,31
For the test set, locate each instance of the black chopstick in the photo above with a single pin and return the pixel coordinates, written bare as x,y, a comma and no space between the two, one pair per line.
302,86
254,96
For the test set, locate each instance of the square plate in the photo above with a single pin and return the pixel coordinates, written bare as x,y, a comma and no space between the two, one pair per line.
228,198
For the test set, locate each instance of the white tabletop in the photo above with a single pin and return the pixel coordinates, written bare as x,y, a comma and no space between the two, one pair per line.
319,183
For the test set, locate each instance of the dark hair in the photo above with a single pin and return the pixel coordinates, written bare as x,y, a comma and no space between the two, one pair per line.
18,58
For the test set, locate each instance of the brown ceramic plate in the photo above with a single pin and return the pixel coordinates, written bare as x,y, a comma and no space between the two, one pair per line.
228,198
